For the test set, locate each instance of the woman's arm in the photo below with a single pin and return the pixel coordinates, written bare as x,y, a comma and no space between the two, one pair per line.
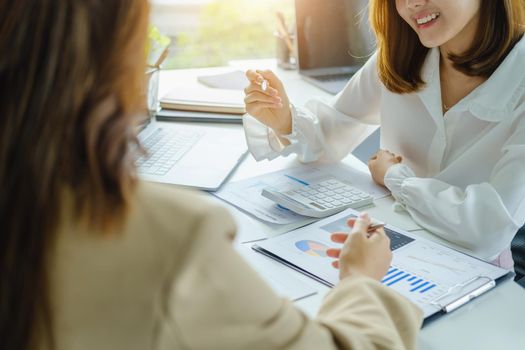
218,302
323,129
482,218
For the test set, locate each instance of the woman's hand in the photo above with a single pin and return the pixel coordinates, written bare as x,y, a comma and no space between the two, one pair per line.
379,164
363,253
270,107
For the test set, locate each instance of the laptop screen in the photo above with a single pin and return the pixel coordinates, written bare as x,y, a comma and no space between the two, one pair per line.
332,33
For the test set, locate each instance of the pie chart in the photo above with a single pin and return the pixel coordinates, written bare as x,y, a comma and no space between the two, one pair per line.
312,248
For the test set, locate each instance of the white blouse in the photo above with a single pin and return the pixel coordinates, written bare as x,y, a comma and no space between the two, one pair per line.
463,173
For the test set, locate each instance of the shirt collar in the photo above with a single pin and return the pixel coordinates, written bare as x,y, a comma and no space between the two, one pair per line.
430,94
491,101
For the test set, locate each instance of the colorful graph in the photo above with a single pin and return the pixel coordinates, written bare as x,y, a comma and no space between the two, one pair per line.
312,248
397,240
412,283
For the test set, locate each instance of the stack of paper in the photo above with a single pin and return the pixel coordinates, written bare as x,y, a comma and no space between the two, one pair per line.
205,100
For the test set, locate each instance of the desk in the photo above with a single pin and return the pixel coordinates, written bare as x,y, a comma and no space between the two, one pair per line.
493,321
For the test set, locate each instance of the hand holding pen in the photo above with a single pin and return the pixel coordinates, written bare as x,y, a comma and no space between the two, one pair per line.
365,251
267,101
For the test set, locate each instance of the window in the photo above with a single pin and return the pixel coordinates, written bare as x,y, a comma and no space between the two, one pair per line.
212,32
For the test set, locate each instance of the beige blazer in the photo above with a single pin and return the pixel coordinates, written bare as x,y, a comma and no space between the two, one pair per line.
171,280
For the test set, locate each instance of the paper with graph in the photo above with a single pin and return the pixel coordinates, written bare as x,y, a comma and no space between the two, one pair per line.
432,276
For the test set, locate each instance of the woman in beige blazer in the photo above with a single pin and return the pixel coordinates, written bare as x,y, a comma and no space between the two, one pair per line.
91,258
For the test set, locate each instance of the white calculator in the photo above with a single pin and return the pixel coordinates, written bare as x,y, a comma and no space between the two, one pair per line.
324,197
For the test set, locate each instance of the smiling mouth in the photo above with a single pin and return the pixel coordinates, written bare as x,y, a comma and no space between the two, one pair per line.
427,19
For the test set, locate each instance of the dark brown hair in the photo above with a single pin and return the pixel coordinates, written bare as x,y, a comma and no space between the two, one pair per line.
71,74
401,55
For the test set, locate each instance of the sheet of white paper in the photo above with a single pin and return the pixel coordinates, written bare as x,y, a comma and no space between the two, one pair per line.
423,271
280,279
234,80
246,194
250,230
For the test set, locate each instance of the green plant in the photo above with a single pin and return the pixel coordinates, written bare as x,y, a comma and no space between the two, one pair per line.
156,46
231,29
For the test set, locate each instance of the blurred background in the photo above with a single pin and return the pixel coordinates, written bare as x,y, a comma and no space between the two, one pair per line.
209,33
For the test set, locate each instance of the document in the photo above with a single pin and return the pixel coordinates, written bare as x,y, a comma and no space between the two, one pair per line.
233,80
434,277
246,194
282,281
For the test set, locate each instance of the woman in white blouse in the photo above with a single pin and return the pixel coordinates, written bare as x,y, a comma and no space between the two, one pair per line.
447,86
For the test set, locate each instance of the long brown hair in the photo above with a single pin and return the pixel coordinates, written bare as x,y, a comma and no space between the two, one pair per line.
71,74
401,55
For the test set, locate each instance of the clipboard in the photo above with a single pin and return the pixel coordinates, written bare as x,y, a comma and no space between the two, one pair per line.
436,278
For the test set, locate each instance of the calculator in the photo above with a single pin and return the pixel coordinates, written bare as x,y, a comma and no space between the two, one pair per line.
321,198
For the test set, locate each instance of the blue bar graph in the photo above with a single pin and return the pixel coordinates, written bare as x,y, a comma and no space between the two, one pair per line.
421,285
398,279
412,283
427,288
392,276
391,270
416,282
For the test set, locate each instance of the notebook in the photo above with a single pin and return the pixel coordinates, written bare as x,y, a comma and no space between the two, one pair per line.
436,278
204,100
173,115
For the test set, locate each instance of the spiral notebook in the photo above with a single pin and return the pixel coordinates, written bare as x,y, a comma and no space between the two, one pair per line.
436,278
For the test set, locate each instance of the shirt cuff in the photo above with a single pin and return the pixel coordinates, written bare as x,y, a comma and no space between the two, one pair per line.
257,138
395,179
263,142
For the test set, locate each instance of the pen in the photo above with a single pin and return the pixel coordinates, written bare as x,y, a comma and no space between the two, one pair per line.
264,85
375,226
162,57
283,32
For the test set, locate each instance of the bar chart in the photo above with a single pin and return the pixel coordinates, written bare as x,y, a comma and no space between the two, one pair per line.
406,282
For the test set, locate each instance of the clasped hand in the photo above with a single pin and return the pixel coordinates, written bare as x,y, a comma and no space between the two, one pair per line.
379,164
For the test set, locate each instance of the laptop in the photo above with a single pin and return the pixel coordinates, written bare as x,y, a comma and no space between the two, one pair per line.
201,157
333,41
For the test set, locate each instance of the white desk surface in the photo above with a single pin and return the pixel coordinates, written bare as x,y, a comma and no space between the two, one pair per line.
493,321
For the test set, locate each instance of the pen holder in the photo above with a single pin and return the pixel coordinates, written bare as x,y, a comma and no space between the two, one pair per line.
285,56
152,90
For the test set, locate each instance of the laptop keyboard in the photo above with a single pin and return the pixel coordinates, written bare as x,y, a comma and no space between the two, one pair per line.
334,77
165,148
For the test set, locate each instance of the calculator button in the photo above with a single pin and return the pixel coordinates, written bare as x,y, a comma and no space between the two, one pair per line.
317,205
325,197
